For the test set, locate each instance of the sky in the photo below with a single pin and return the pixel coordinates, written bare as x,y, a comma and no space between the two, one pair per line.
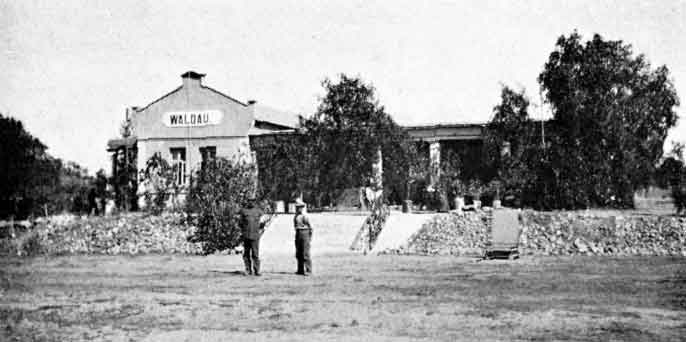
72,67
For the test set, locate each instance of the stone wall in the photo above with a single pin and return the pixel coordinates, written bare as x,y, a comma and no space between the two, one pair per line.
556,233
133,233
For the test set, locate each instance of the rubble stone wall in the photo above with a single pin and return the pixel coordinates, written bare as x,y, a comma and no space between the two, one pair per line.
133,233
543,233
555,233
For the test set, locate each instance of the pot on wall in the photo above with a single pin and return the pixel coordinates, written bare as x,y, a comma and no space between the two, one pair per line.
279,207
477,204
497,204
407,206
459,203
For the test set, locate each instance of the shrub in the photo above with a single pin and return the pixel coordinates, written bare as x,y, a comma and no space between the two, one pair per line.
672,174
679,194
158,179
377,218
216,195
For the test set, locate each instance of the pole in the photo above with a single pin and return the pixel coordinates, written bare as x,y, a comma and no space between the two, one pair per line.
540,107
128,181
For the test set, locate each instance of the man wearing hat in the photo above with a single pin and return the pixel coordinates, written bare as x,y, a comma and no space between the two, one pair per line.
303,237
251,231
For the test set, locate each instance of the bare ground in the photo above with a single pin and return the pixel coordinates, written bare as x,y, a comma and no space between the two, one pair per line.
351,297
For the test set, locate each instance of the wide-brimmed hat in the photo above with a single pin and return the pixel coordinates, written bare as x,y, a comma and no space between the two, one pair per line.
299,203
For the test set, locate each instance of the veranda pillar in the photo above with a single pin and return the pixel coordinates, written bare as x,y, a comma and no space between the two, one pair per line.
434,163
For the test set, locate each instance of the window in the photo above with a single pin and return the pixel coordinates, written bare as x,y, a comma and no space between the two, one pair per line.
208,154
179,164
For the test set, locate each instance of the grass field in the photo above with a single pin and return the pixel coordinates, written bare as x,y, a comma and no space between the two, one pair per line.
350,298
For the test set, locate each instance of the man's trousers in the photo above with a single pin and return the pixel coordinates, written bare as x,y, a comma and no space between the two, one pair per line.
251,255
303,237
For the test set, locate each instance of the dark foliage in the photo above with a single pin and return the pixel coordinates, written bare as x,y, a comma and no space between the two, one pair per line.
672,175
34,183
514,152
336,149
159,184
347,130
611,115
286,166
216,196
124,182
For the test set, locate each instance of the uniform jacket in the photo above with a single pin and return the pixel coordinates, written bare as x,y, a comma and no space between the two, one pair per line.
251,227
300,221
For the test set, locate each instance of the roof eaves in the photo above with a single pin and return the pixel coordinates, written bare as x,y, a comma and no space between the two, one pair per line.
278,125
444,125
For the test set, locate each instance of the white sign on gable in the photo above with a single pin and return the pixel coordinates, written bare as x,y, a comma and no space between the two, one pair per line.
194,118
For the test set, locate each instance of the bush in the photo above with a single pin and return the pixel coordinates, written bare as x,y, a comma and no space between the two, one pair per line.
216,195
679,195
158,179
672,174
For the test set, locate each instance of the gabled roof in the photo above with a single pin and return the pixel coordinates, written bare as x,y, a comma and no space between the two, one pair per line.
262,113
179,88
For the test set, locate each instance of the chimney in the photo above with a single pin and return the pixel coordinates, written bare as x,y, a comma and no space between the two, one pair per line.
251,106
130,111
192,79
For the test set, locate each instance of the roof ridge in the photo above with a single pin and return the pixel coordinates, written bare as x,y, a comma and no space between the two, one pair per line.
159,99
222,94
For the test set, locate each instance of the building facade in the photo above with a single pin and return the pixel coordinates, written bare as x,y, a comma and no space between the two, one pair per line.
190,124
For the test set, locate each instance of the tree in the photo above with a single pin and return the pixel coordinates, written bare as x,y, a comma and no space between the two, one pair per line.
669,172
32,182
513,152
418,171
125,181
611,115
347,132
672,174
27,172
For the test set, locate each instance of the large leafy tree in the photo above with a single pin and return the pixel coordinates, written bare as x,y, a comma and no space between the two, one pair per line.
513,150
23,164
611,115
32,181
348,129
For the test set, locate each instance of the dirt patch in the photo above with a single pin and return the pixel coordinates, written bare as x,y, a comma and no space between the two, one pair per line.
352,297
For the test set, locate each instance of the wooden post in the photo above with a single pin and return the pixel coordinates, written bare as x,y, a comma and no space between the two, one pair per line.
128,174
12,233
435,162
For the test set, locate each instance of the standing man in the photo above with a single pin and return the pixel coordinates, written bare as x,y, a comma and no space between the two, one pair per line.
251,231
303,237
92,202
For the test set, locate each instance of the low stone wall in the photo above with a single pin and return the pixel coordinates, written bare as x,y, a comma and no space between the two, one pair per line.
133,233
543,233
450,234
555,233
562,233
